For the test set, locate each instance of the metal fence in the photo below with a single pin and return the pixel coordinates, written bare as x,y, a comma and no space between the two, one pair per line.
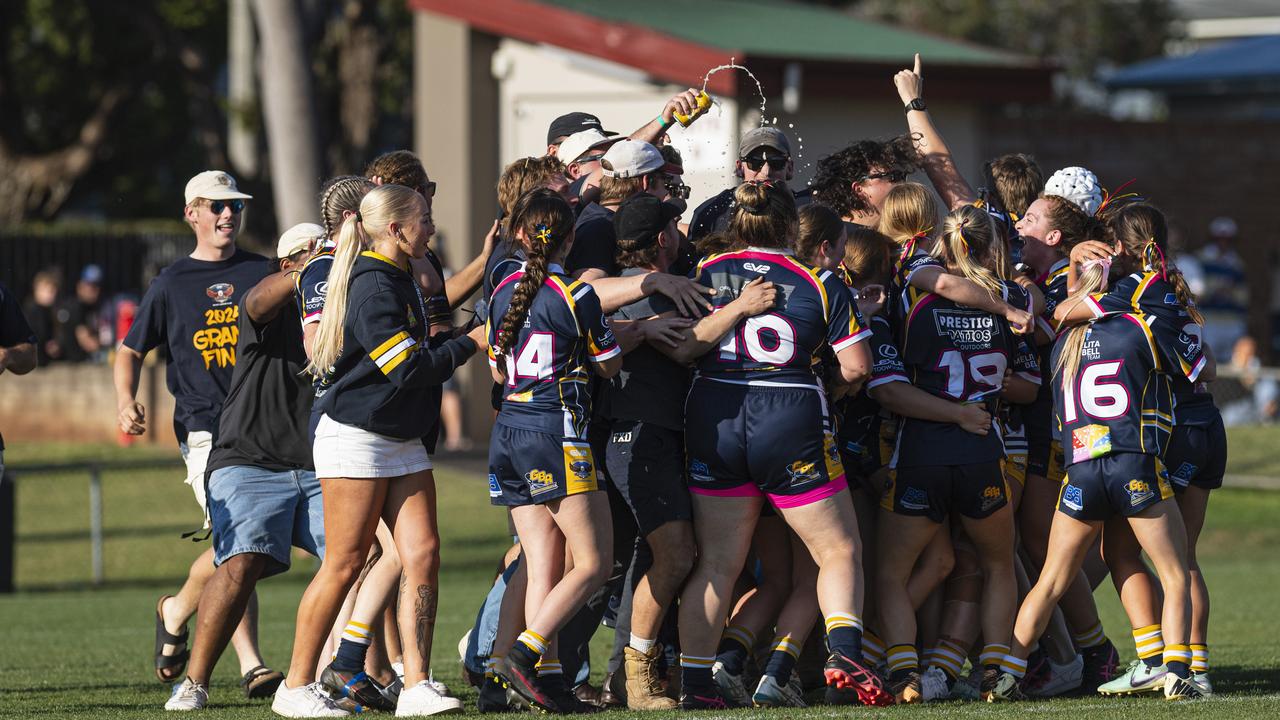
128,260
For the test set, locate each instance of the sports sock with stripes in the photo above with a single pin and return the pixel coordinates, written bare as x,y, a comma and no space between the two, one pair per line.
1015,666
1090,637
353,648
1199,658
529,648
782,660
1150,645
993,655
949,656
872,649
1178,659
735,647
844,635
695,672
490,664
903,660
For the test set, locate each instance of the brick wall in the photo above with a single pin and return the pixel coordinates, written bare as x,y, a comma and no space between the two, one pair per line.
78,403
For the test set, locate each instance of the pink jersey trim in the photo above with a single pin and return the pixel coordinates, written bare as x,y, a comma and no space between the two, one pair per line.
822,492
845,342
1094,306
1195,371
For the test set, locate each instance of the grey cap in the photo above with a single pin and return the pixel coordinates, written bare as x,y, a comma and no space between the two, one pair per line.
760,137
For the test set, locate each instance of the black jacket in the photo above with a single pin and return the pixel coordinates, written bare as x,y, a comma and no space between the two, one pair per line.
383,381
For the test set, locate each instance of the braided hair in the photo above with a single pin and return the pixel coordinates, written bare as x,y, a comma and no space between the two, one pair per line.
1143,233
340,195
544,221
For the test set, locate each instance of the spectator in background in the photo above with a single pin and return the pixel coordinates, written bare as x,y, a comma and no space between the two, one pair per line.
1225,297
47,316
763,154
84,316
17,345
1262,394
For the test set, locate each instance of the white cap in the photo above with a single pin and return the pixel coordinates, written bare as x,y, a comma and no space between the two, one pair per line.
298,238
632,158
577,144
213,185
1077,185
1223,227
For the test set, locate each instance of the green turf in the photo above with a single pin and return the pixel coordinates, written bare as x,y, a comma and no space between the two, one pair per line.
72,651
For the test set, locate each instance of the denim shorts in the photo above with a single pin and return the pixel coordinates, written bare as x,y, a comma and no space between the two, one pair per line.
261,511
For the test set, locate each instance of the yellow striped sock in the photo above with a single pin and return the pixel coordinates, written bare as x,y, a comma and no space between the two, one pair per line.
357,632
1177,653
783,643
741,635
1199,658
903,657
694,661
872,648
549,667
533,641
948,656
1016,667
1091,637
1148,641
491,663
838,620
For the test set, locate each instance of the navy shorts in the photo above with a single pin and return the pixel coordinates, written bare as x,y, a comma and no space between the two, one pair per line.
1038,420
646,465
255,510
752,440
1117,484
975,490
527,467
1197,455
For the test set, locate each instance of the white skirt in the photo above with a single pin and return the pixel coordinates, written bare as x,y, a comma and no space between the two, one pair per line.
346,451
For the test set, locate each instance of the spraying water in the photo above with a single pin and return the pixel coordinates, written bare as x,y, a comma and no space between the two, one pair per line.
734,66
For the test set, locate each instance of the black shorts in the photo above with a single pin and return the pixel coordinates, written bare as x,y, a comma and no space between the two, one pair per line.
527,467
1117,484
1038,420
751,440
646,465
1197,455
975,491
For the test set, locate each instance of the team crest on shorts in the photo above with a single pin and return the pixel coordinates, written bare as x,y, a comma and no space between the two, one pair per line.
1089,442
540,481
914,498
991,496
581,469
802,472
1139,492
699,472
1182,476
495,490
1073,497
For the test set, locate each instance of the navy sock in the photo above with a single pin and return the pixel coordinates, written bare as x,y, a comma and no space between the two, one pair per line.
847,641
695,677
523,654
350,658
1181,669
780,665
733,655
1154,661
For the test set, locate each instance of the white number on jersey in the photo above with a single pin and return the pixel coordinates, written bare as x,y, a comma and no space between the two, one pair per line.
768,339
533,360
1099,400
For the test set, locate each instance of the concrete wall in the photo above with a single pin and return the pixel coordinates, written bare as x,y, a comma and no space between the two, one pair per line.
78,403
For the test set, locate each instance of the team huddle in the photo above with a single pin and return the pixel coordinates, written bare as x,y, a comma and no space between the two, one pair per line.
866,442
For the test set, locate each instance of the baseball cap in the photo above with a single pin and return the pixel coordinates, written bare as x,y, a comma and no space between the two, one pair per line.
91,274
298,238
1078,185
1223,227
639,219
577,144
770,137
632,158
571,123
214,185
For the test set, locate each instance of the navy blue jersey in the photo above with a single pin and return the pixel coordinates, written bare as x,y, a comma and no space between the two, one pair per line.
1152,296
1118,400
815,307
859,428
1054,286
960,354
548,381
313,284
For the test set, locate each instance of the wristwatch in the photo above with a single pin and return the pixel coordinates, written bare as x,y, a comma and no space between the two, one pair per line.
917,104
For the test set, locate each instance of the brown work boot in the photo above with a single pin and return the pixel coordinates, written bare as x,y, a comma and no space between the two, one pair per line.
644,690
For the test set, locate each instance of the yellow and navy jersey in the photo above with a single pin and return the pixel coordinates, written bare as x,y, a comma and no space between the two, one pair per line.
387,378
1118,400
1054,286
815,307
960,354
313,282
548,380
860,416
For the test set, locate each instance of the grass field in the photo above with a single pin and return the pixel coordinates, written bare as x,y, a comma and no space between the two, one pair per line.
73,651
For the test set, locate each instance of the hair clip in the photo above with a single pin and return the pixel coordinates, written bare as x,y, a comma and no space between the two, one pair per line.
358,217
543,233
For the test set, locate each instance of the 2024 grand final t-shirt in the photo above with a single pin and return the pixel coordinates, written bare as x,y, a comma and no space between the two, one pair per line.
193,309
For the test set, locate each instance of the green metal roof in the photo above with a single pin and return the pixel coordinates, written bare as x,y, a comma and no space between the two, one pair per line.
788,30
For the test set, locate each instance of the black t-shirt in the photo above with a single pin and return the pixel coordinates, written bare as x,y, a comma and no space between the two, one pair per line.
14,329
264,422
191,308
79,313
651,386
714,213
595,243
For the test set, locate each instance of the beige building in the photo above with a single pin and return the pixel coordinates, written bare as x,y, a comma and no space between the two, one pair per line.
490,76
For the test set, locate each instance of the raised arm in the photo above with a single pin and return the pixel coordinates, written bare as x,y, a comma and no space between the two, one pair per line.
939,165
685,103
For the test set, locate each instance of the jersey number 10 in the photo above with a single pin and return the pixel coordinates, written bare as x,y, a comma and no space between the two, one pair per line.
755,333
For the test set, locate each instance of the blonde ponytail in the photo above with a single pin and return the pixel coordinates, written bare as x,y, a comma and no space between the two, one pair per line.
970,247
1090,281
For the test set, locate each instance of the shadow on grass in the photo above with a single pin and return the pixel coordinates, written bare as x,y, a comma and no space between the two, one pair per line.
119,533
1237,679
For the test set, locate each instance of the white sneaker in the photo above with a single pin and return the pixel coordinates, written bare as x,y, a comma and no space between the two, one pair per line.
770,694
424,699
1062,679
440,687
1138,678
1201,680
188,695
308,701
933,684
731,687
1176,688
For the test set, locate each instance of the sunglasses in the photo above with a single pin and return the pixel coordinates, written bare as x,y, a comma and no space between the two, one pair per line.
217,206
589,158
893,176
677,190
775,162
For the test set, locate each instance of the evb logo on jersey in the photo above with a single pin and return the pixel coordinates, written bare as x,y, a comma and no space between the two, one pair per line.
756,267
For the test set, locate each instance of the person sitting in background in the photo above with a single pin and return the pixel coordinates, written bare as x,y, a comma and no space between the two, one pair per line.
1262,394
1225,299
84,313
46,316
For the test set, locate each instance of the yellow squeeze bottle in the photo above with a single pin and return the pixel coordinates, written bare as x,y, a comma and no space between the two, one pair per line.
704,104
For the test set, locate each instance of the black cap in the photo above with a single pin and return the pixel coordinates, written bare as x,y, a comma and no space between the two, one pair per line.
639,219
566,125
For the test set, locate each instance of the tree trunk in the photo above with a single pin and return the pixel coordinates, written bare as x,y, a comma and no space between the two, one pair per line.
289,110
242,110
